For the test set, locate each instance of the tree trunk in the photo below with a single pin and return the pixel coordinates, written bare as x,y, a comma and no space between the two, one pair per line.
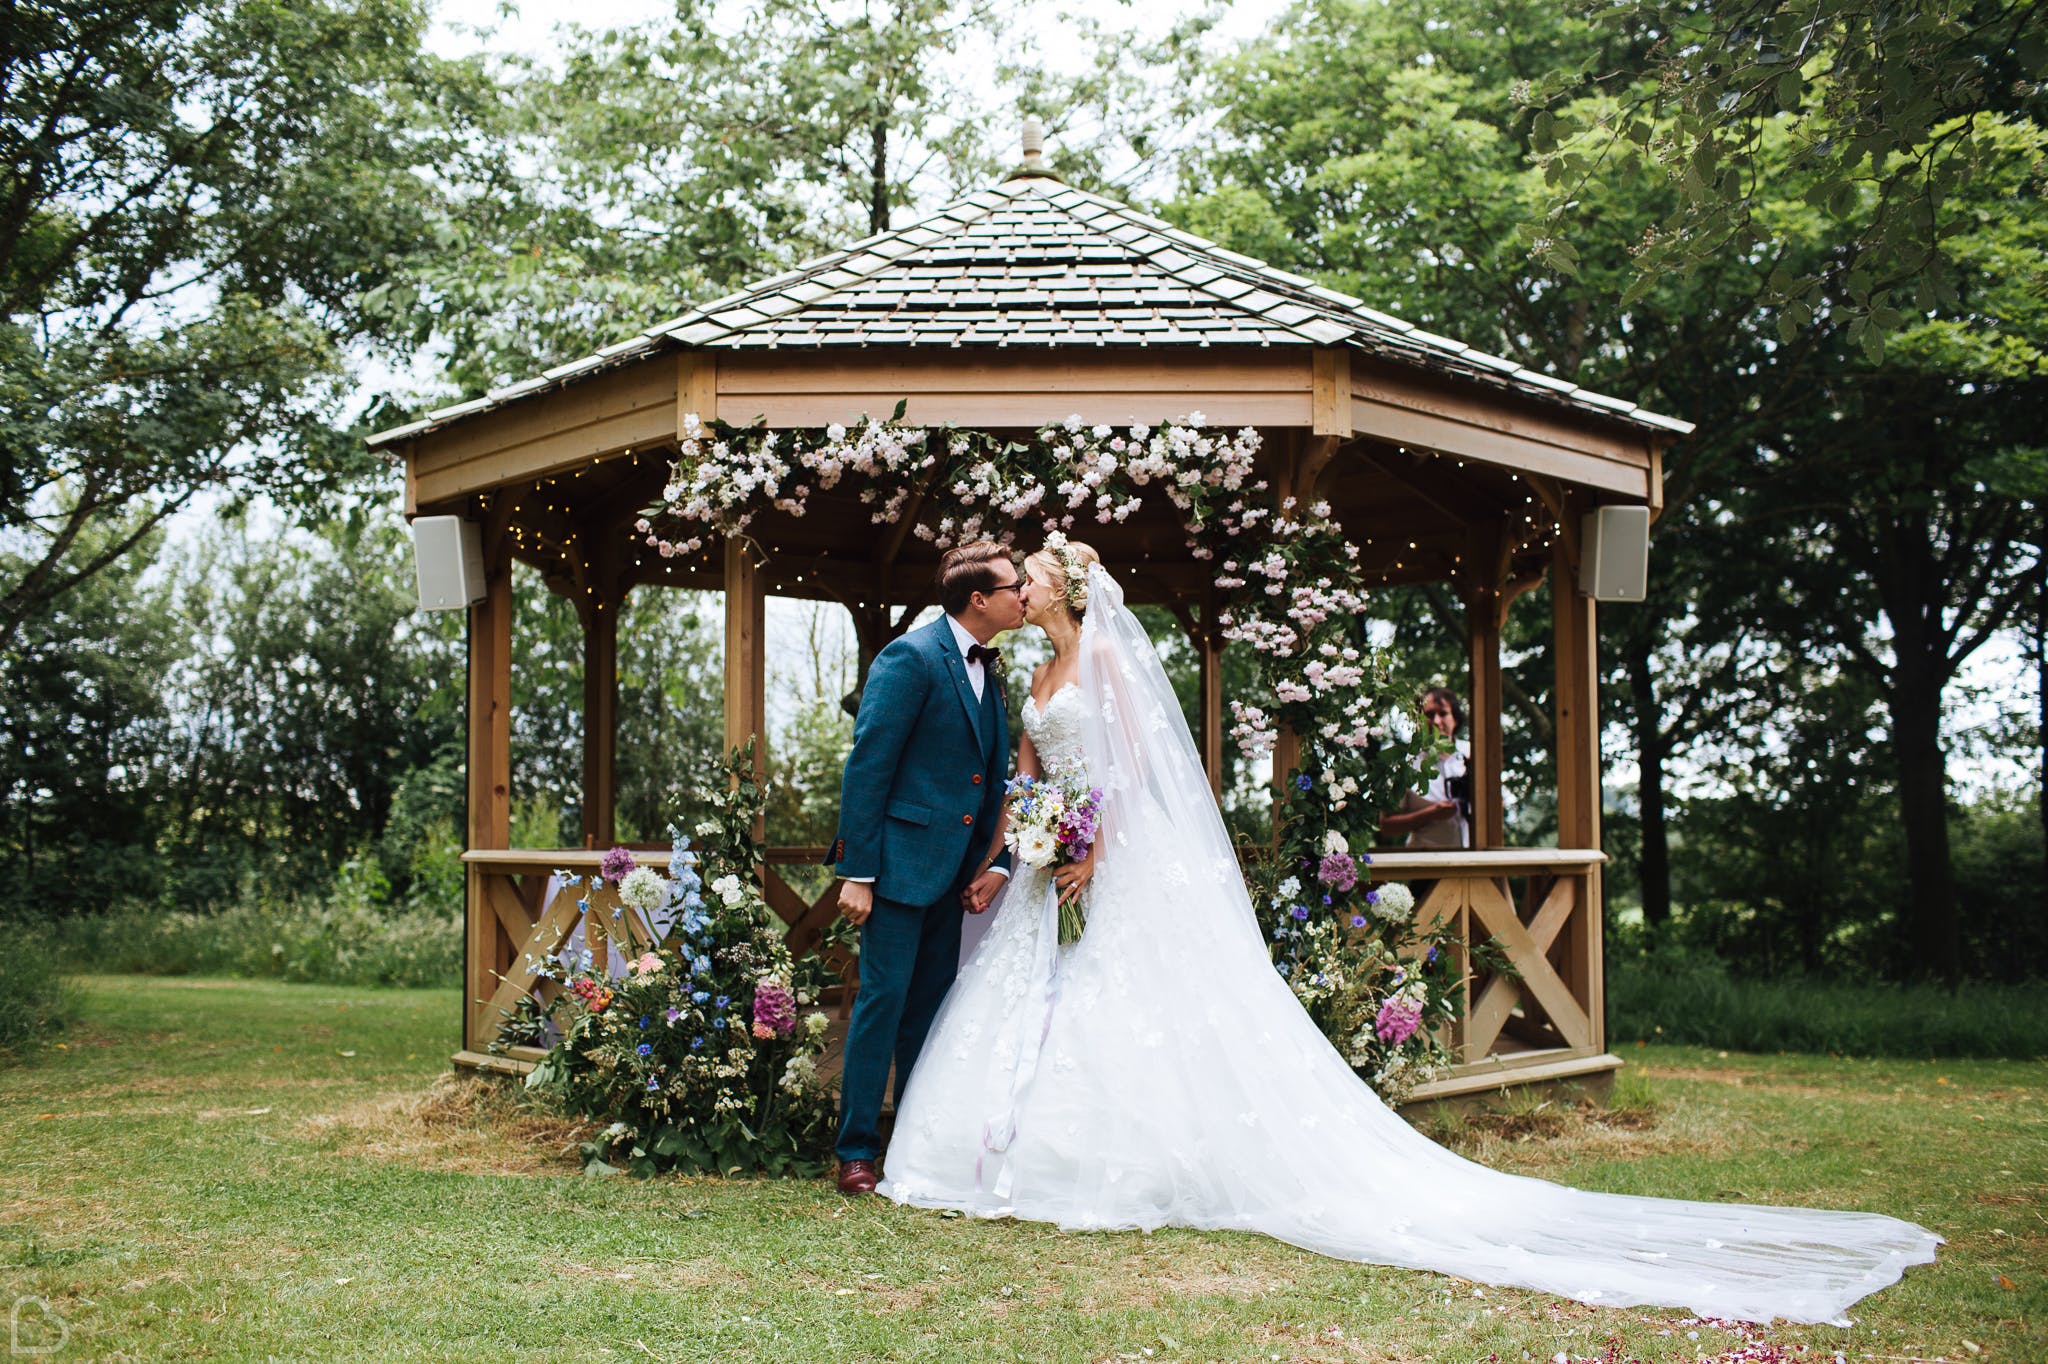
2041,704
878,173
1650,754
1915,705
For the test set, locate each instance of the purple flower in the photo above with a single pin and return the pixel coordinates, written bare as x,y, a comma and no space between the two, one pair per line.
1338,871
615,865
1398,1019
775,1007
652,1084
1303,783
645,1049
1358,921
1299,911
673,1013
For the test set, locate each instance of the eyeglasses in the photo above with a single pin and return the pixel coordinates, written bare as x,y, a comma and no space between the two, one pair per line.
1017,587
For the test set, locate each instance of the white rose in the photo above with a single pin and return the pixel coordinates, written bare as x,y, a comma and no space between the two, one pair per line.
835,432
1333,842
727,888
1036,847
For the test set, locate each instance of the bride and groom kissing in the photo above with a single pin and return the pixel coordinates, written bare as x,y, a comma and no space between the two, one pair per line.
1158,1071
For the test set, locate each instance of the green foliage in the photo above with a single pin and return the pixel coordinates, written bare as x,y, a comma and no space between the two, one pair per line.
85,726
342,935
36,1003
199,193
313,686
1884,115
1675,997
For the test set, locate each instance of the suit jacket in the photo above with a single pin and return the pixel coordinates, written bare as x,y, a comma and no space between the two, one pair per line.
924,783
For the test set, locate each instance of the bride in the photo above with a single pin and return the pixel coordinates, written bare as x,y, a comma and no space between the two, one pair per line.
1159,1072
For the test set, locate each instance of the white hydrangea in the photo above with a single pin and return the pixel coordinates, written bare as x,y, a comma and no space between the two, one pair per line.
643,889
1396,903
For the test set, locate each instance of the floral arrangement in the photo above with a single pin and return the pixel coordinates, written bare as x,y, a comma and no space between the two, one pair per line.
1294,598
1052,822
1379,984
702,1052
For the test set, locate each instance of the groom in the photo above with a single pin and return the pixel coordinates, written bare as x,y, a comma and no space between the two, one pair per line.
917,810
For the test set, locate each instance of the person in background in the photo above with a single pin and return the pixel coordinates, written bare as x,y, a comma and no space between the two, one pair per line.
1442,816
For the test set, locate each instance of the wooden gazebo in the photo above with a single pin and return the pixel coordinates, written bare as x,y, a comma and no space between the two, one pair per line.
1013,308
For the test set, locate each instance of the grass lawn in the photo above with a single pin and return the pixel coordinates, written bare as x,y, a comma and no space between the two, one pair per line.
235,1170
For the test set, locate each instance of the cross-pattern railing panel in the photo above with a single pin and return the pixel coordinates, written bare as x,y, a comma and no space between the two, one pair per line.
1536,908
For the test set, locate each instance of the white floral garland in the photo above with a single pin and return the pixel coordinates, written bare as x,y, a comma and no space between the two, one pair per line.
1288,568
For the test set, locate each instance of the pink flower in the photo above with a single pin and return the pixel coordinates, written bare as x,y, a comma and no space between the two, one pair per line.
647,965
1399,1018
1338,871
616,864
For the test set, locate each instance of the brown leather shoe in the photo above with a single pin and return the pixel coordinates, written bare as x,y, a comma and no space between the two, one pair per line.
856,1176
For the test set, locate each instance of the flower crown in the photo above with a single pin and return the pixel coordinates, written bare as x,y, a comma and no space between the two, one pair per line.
1073,569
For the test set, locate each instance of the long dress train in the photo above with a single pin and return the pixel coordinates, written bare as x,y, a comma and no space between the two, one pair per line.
1159,1072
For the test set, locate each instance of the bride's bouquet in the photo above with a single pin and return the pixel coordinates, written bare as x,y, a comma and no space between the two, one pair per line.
1052,822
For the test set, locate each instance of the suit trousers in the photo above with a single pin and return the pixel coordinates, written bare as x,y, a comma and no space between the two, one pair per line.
909,955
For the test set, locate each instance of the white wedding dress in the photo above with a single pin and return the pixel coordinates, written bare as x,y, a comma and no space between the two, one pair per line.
1159,1072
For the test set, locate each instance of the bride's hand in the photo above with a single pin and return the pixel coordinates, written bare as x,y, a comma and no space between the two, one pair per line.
1072,877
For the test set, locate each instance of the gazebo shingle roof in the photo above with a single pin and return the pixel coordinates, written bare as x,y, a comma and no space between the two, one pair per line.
1035,263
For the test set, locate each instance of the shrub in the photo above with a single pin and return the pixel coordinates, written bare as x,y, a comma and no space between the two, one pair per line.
35,1002
1671,996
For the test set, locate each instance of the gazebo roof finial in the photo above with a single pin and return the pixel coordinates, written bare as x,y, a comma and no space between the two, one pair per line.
1034,165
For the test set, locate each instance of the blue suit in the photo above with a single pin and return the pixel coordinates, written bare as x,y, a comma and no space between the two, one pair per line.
917,807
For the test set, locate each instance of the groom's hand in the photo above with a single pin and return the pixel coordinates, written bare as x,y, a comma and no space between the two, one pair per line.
856,901
981,892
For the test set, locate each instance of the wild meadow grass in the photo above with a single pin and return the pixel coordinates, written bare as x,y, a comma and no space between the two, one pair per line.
250,1170
36,1002
334,939
1672,998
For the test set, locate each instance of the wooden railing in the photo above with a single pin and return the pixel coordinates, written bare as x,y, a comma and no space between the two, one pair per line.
1543,1017
511,935
1540,1019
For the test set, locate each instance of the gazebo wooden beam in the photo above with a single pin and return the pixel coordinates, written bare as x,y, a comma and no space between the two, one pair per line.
1329,391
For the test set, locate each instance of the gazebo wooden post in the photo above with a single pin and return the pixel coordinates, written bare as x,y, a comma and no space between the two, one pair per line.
599,610
746,658
600,723
487,949
1486,606
1578,761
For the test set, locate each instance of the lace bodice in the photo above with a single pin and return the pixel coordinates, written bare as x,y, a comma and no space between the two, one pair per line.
1055,731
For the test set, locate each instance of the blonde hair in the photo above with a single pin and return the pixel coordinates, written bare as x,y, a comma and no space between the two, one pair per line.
1051,565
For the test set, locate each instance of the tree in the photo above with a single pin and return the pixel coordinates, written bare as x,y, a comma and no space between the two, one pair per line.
1380,148
83,723
1883,106
1923,553
195,195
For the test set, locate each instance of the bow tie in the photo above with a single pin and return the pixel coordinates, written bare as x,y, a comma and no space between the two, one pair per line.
981,653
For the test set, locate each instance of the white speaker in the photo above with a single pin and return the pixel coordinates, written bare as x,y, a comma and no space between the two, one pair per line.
450,554
1614,553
